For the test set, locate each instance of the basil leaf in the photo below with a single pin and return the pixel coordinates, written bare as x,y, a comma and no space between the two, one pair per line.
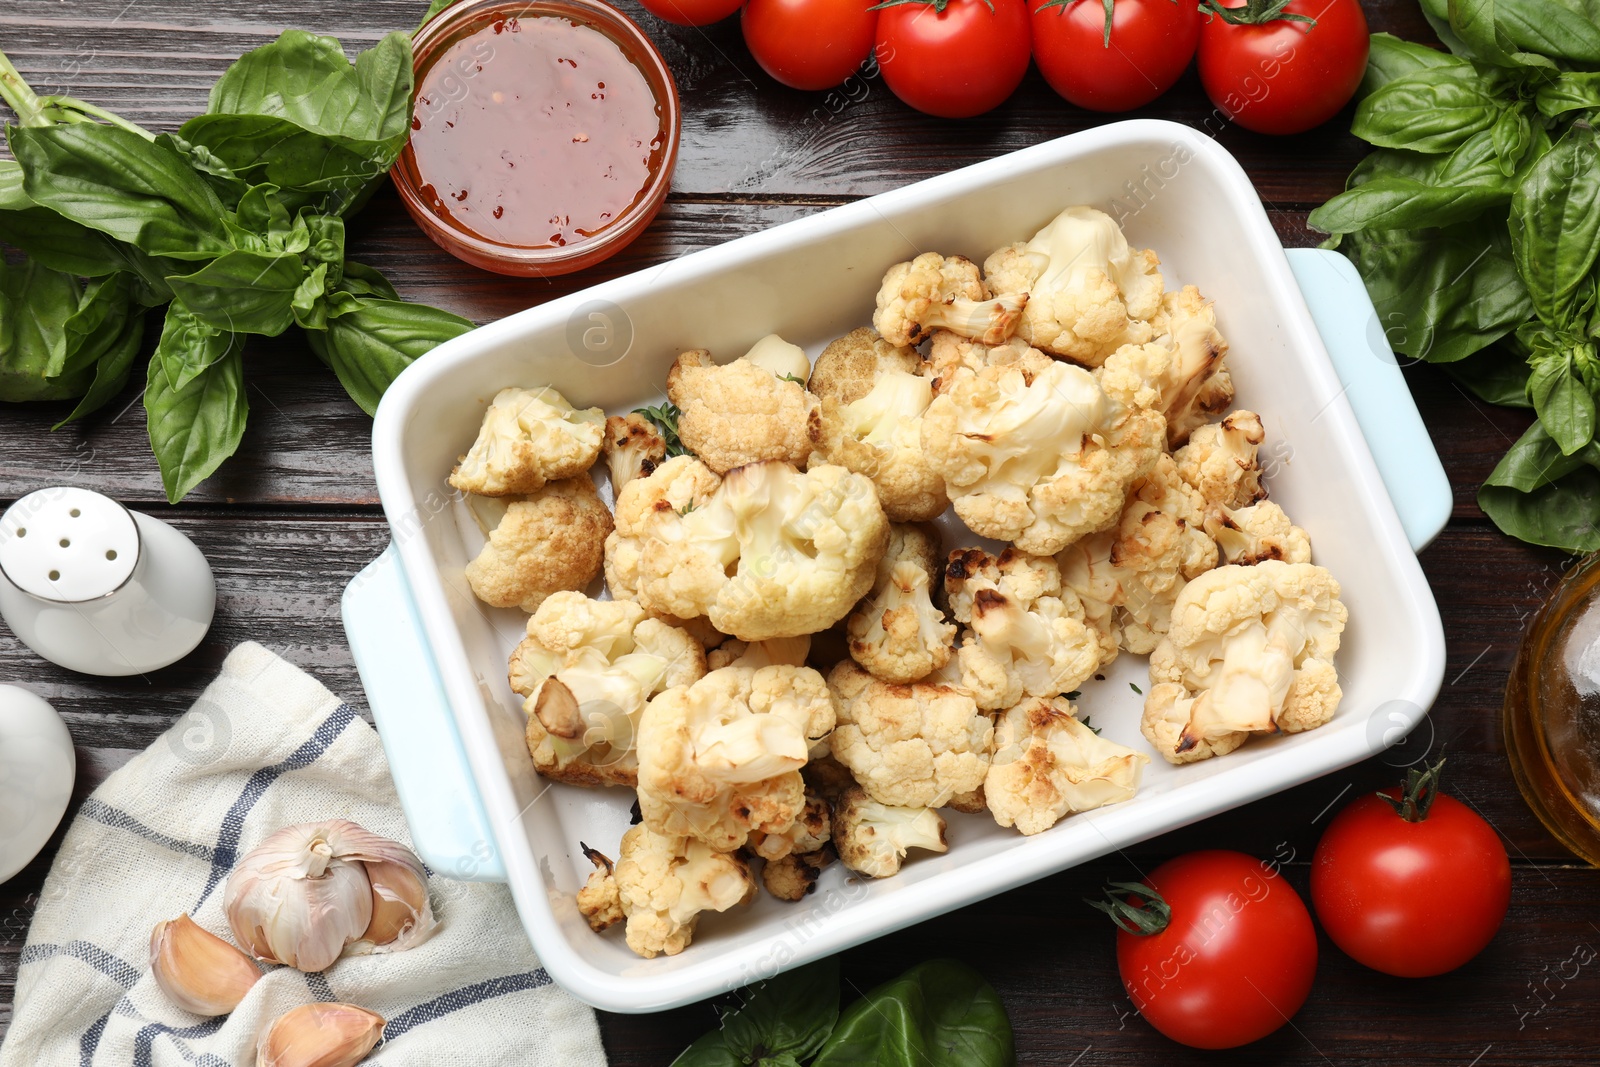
1460,187
1569,91
1390,58
433,9
363,280
112,370
370,345
941,1012
1562,403
116,182
1495,375
35,304
12,198
1429,111
1560,29
1555,226
306,79
103,312
195,428
783,1020
214,170
1539,495
313,169
244,292
188,347
1480,27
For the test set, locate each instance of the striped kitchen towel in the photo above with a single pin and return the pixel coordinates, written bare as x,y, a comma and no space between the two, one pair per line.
266,746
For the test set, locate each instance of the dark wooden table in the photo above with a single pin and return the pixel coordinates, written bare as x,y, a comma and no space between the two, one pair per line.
290,519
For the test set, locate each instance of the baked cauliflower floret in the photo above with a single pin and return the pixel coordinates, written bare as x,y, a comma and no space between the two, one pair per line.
1262,531
812,830
949,352
1089,293
1087,570
873,838
1181,375
851,365
934,292
1222,460
547,541
773,552
720,759
599,901
587,669
1037,459
735,653
1250,651
897,632
633,448
795,875
1025,635
908,745
653,507
880,436
1160,544
1048,765
739,413
662,885
529,437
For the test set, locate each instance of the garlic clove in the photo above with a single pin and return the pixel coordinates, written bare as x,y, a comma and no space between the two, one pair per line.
197,970
402,915
320,1035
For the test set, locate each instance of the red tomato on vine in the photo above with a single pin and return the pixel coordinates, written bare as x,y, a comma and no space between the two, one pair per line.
810,44
1282,66
1116,55
953,58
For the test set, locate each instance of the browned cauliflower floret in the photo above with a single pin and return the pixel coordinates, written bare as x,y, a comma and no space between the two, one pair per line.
880,436
587,669
1250,651
739,413
914,745
599,901
897,632
949,352
735,653
539,544
1026,634
720,759
1181,375
772,553
850,366
664,883
1087,570
812,830
1037,459
1221,460
1048,765
873,838
1089,293
933,292
633,448
1262,531
529,437
653,507
795,875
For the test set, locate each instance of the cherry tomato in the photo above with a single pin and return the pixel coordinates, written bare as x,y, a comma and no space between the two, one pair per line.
1233,960
1151,44
1410,898
810,44
954,58
692,12
1284,76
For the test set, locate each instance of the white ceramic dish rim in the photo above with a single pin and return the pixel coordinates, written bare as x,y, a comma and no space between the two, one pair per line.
1119,825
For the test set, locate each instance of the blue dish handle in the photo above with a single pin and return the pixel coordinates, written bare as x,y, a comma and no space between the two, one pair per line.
418,729
1377,391
426,756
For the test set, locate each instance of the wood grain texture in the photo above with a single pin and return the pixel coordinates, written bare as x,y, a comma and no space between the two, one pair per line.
294,515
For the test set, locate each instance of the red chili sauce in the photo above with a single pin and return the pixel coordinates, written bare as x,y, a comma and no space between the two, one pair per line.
535,132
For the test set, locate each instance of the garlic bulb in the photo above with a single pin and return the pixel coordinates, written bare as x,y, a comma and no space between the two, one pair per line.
197,970
309,893
320,1035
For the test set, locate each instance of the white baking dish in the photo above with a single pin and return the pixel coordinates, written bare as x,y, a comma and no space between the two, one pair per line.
433,659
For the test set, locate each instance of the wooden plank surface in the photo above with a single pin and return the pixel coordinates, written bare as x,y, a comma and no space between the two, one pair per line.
295,515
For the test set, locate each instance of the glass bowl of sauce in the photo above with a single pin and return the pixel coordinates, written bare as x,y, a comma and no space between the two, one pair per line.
543,136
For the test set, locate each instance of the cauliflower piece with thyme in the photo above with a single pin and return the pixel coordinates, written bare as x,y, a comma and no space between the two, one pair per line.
529,437
913,746
1026,634
773,553
1048,765
934,292
662,885
851,365
650,508
587,669
1222,460
1182,375
633,448
539,544
873,838
1250,652
1262,531
1089,293
880,436
740,413
1037,459
897,632
720,759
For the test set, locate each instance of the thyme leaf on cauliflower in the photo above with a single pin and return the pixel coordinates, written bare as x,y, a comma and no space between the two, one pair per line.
666,416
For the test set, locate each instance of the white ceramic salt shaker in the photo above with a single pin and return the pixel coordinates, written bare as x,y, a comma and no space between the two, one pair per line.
96,588
37,770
